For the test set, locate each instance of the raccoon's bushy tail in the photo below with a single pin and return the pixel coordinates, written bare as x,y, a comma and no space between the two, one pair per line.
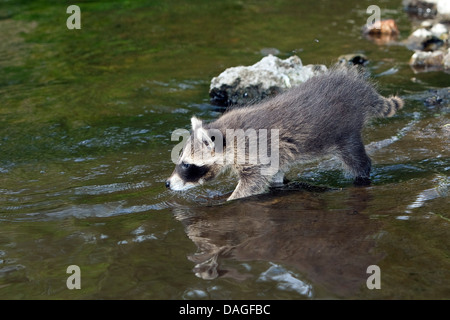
389,106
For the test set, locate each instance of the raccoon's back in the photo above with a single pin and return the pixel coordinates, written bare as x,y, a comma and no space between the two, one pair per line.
343,94
339,98
340,90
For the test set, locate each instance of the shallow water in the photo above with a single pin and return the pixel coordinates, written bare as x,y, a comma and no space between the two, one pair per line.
85,124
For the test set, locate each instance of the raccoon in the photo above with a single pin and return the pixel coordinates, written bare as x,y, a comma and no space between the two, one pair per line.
322,116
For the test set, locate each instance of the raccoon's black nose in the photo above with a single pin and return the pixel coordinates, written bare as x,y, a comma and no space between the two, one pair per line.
167,184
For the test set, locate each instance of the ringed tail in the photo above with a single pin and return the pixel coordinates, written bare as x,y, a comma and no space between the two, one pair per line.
391,105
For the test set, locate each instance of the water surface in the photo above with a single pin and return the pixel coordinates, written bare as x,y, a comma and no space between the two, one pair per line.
85,124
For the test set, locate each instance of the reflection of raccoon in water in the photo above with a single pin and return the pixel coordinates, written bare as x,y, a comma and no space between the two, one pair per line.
322,116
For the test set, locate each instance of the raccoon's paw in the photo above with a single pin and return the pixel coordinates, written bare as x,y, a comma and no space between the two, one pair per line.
361,182
248,188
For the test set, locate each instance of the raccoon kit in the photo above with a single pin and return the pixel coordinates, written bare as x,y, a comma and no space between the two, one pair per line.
323,116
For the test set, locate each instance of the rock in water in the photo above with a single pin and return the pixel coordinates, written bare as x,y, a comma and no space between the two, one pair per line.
443,8
447,60
425,40
353,59
381,32
427,60
241,85
388,27
421,8
428,8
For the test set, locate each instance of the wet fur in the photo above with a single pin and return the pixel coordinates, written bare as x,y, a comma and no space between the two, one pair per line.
324,115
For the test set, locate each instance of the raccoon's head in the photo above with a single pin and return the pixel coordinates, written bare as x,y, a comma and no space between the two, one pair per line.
200,160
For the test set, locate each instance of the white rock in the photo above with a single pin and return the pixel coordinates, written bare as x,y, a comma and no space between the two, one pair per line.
443,7
447,60
269,73
425,59
439,29
427,24
421,33
416,39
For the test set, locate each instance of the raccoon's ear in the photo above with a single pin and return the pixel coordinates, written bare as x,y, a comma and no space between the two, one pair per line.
196,123
202,135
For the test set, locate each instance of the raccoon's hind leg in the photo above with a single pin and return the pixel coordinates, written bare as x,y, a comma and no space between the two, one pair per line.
353,154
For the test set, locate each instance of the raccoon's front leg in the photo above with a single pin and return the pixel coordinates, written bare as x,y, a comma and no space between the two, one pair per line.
278,179
247,188
251,183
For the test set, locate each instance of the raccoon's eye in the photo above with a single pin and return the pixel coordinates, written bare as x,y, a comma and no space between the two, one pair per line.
185,165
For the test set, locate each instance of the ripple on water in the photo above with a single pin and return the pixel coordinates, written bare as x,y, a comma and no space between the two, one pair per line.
286,280
97,210
440,190
110,188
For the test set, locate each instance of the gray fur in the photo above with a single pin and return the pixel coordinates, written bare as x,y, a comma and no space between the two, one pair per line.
324,115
